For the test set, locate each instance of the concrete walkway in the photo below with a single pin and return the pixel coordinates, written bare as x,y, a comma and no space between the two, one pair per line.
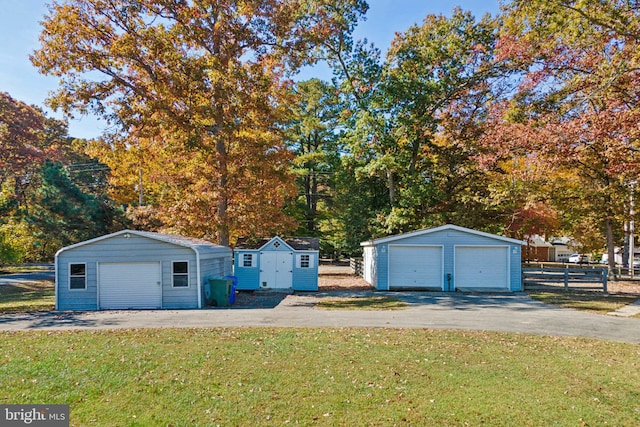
628,310
504,313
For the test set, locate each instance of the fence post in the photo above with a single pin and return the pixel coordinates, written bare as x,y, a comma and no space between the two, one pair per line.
604,280
566,279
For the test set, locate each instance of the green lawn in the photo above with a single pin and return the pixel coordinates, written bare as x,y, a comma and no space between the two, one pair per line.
361,303
27,296
593,302
377,377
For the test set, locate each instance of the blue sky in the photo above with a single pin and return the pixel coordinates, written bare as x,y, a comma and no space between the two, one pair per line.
19,30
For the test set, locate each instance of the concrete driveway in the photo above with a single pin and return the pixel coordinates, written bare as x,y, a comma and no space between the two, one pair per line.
504,313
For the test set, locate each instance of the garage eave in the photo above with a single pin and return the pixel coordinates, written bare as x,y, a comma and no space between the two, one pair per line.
393,238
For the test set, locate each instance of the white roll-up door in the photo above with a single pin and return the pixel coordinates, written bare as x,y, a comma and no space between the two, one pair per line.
129,285
418,267
481,267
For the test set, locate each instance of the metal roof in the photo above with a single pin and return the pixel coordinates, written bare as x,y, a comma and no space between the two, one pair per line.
199,245
441,228
296,243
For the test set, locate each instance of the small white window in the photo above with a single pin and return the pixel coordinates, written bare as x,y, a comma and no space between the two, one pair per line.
305,261
77,276
180,274
247,260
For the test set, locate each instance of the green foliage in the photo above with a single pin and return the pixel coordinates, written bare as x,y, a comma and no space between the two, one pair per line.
313,138
27,296
63,214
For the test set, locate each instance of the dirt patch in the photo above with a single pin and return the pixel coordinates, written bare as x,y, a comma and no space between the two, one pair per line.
340,278
624,287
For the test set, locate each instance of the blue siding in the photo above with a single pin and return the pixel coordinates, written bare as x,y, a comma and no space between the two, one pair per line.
119,249
448,239
248,277
305,279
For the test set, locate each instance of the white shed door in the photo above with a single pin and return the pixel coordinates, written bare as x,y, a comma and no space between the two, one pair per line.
276,270
481,267
415,266
129,285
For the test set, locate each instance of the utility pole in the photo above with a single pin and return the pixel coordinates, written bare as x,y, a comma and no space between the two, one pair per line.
140,189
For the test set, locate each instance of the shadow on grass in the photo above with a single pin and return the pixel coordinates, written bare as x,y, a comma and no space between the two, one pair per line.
27,296
55,319
594,302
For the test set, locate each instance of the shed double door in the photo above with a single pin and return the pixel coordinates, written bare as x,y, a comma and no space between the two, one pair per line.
276,270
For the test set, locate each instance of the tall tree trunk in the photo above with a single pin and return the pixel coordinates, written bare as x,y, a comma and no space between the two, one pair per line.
392,187
611,253
223,198
313,211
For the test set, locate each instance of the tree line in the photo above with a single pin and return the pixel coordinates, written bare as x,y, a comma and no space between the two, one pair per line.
522,123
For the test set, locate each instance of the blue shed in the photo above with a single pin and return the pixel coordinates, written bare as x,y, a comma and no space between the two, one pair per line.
446,258
277,263
136,269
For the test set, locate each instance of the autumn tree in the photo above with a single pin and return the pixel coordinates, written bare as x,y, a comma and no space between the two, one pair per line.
576,106
22,149
207,81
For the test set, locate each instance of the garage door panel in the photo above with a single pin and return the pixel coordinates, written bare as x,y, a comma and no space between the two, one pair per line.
130,285
415,267
481,267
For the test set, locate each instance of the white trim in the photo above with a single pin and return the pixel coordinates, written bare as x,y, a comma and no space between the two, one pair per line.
98,285
441,228
198,278
173,284
299,260
279,239
86,274
253,258
57,281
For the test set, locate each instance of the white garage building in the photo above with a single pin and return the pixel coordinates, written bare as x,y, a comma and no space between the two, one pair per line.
137,270
446,258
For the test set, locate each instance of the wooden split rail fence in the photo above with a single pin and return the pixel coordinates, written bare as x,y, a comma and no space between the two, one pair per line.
540,276
357,265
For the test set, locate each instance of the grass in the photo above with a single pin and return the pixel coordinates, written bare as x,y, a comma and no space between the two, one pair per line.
22,268
27,296
359,377
593,302
361,303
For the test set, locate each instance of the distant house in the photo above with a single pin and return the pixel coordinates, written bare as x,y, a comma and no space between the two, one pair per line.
562,249
446,258
277,263
137,270
538,249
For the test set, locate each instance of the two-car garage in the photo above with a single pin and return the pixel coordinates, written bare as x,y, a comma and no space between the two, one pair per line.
446,258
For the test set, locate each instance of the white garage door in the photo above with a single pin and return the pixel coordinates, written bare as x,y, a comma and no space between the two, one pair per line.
130,285
481,267
415,267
